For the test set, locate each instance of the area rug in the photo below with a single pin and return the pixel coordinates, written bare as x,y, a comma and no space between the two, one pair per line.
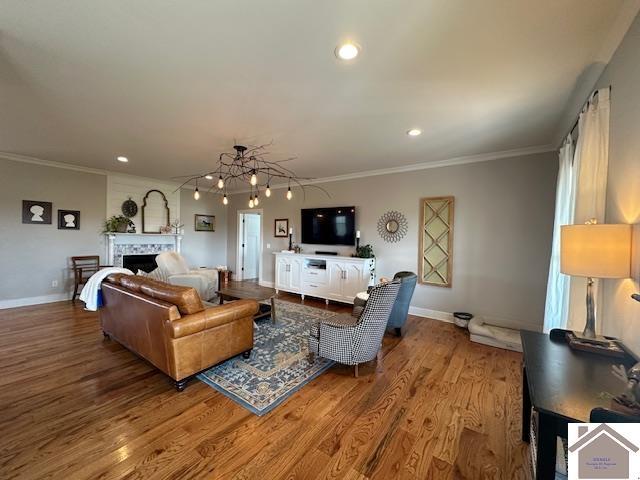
278,365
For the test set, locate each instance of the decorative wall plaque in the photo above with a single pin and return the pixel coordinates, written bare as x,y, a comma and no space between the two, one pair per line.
436,241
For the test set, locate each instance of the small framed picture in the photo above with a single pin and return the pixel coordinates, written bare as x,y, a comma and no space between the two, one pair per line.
68,220
205,223
35,212
281,227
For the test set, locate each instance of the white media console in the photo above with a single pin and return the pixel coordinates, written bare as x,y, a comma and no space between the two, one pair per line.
324,276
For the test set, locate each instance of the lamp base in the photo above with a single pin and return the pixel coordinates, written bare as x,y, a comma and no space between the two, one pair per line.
597,340
600,345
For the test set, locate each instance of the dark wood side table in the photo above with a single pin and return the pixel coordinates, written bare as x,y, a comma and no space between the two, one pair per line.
255,293
563,386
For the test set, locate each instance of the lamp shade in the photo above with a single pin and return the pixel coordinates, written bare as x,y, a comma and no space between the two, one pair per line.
599,251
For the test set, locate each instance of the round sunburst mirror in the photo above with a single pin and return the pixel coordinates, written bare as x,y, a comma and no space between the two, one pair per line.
392,226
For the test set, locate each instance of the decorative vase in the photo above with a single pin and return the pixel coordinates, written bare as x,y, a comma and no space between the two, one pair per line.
121,228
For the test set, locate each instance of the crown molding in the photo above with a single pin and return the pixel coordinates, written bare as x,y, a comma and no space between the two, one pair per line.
483,157
50,163
79,168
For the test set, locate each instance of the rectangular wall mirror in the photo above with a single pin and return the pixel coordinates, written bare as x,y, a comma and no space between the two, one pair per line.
436,241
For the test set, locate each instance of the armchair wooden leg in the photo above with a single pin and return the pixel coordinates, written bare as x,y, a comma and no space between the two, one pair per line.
75,291
355,370
312,357
398,331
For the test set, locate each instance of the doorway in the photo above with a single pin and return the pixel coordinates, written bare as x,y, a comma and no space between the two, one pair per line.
249,259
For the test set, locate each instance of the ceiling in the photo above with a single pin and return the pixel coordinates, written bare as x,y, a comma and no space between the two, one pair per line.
173,84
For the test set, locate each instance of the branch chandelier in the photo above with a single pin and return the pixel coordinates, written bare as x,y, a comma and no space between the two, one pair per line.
247,165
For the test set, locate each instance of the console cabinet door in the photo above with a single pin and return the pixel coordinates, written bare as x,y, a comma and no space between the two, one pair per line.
283,276
335,279
295,274
353,281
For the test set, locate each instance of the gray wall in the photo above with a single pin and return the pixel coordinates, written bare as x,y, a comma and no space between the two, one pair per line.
502,237
33,256
621,315
203,249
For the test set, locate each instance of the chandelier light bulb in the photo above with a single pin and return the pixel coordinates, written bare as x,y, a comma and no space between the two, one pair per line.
225,200
267,192
347,51
220,182
256,202
250,202
254,179
196,194
289,194
209,177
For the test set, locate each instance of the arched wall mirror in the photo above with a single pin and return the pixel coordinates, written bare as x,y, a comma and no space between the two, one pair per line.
155,212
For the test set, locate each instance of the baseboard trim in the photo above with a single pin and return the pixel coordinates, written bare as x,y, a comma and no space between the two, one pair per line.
264,283
24,302
434,314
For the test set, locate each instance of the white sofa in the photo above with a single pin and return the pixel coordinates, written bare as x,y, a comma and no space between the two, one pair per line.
204,280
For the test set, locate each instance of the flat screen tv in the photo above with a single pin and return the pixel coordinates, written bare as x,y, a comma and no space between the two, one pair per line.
329,226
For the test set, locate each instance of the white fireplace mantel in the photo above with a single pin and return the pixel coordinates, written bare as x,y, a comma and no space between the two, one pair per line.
120,244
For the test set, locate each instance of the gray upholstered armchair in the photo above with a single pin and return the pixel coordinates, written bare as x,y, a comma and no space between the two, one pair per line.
350,340
400,310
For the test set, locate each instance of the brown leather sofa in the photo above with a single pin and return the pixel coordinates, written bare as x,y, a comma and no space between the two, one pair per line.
169,326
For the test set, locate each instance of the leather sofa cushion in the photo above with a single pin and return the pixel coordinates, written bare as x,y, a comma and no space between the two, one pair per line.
115,278
133,282
185,298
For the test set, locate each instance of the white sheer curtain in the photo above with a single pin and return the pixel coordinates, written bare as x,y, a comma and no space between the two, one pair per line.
592,163
557,304
581,196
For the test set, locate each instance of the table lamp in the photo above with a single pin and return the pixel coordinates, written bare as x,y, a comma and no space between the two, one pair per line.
593,251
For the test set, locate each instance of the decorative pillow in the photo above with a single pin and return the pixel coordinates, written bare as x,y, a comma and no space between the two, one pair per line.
160,275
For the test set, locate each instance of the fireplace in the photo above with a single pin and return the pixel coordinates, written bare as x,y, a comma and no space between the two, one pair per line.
145,262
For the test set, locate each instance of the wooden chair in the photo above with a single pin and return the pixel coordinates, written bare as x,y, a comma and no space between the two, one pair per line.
83,267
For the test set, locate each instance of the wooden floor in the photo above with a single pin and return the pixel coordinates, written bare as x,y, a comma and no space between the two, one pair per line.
73,405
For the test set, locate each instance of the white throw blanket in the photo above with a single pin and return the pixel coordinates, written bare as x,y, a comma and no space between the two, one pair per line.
91,290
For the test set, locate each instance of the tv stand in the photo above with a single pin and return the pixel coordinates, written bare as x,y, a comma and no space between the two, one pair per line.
326,276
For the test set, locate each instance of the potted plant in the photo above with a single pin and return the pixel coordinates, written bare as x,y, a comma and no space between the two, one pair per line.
366,251
117,223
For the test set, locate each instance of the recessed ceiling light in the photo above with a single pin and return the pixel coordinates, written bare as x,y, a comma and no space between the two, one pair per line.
122,159
414,132
209,177
347,51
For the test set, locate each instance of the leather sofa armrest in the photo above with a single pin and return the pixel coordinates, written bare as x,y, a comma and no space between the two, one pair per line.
211,318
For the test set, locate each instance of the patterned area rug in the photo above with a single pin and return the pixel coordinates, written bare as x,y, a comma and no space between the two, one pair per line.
278,365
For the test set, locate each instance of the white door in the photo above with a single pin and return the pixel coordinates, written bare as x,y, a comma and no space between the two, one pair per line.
336,277
353,282
250,246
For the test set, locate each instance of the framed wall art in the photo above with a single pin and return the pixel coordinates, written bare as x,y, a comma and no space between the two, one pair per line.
281,227
68,220
435,264
205,223
36,213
